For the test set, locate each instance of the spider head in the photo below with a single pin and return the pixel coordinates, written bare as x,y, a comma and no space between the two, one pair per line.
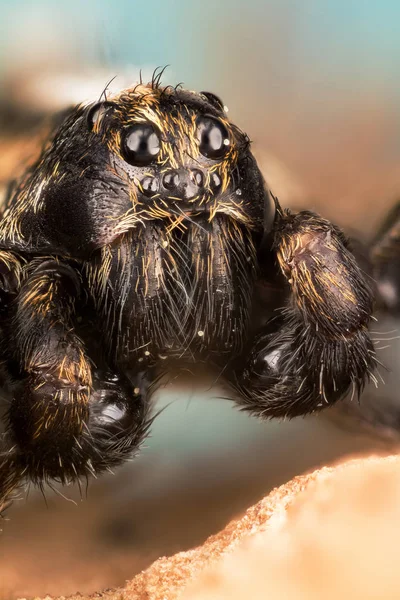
146,153
179,155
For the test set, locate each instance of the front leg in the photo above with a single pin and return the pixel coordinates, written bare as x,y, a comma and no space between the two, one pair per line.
319,346
385,259
11,470
379,411
66,420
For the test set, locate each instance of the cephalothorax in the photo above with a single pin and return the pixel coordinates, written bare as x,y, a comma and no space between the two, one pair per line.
145,236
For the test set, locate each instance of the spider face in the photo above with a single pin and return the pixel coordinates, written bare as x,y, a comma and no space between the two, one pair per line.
180,155
146,154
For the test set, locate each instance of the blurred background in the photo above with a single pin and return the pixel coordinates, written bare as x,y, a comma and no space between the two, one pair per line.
315,85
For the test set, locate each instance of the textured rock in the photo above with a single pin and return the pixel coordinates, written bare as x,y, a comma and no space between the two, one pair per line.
339,541
331,534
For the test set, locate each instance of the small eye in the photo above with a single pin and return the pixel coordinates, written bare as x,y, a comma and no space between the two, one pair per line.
97,113
213,137
214,100
140,144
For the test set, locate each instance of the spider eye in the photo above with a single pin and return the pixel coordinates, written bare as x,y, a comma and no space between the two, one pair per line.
213,137
214,100
140,144
97,113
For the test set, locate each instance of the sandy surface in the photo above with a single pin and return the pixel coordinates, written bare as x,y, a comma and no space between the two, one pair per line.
328,534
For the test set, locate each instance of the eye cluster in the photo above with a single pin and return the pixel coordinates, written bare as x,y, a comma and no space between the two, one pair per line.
141,142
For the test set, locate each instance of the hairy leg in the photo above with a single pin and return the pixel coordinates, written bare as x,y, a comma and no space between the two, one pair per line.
319,346
385,260
379,411
11,471
65,419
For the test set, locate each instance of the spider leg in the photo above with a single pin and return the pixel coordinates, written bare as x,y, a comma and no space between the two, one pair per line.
319,347
66,419
379,411
385,259
11,470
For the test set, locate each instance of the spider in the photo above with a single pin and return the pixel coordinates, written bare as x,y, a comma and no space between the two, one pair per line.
145,238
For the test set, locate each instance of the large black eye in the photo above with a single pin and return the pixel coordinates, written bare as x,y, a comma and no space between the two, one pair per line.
140,144
97,113
213,137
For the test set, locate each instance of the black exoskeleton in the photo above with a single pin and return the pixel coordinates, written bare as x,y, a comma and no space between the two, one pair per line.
145,237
